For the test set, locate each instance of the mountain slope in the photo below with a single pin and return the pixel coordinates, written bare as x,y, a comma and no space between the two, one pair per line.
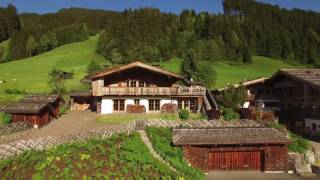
32,74
232,73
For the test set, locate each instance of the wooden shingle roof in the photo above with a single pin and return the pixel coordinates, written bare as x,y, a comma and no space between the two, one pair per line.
26,108
40,98
228,136
85,93
134,65
310,76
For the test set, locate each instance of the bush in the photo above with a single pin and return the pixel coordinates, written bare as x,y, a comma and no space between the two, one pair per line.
6,118
184,114
63,110
229,114
299,144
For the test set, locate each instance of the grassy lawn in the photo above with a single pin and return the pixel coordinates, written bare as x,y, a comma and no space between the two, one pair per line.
124,118
161,142
232,73
121,157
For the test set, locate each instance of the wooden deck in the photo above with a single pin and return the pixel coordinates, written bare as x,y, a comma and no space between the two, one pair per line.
151,91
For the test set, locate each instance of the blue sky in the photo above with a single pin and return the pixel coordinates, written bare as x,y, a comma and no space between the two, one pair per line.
175,6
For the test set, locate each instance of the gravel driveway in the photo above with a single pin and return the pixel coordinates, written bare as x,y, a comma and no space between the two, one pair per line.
69,123
254,175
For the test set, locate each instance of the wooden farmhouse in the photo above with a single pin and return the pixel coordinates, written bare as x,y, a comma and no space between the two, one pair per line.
39,110
140,88
292,94
234,148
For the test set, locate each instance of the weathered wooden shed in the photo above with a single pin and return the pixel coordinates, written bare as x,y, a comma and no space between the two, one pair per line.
229,149
80,100
38,114
54,100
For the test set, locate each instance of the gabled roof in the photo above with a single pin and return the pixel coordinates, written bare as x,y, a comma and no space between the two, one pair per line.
310,76
134,65
27,108
228,136
40,99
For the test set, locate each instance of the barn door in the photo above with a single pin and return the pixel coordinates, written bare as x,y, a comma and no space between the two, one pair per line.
235,160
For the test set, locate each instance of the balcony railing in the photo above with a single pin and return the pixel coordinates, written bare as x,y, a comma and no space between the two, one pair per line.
152,91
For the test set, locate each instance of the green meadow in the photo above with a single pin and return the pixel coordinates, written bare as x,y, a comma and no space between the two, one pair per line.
31,74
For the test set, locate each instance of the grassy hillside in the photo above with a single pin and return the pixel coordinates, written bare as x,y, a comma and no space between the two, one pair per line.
32,74
121,157
231,73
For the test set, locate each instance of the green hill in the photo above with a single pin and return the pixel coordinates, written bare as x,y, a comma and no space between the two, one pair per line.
232,73
31,75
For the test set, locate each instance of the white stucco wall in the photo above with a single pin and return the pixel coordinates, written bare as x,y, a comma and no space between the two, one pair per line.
106,106
309,122
127,102
145,103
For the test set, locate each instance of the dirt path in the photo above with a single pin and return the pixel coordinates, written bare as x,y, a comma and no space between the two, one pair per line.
69,123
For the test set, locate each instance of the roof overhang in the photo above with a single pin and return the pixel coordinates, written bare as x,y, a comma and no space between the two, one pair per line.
286,72
136,64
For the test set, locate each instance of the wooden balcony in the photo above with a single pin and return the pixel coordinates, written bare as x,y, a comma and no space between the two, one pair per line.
151,91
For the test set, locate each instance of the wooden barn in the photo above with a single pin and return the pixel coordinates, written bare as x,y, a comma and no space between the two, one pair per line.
234,149
38,114
54,100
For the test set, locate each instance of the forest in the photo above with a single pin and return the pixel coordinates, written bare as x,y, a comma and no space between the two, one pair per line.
245,28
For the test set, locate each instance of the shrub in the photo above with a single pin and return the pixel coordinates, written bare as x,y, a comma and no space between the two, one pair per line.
63,110
184,114
229,114
6,118
299,144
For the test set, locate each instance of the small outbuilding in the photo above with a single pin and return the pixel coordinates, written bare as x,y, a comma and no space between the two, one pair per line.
38,114
232,148
81,100
54,100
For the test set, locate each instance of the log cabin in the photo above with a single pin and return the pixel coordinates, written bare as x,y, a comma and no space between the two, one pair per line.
234,149
38,114
54,100
138,87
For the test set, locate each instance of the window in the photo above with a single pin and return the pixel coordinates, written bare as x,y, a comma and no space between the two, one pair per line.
141,83
154,105
118,104
131,83
190,103
314,127
136,102
180,105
